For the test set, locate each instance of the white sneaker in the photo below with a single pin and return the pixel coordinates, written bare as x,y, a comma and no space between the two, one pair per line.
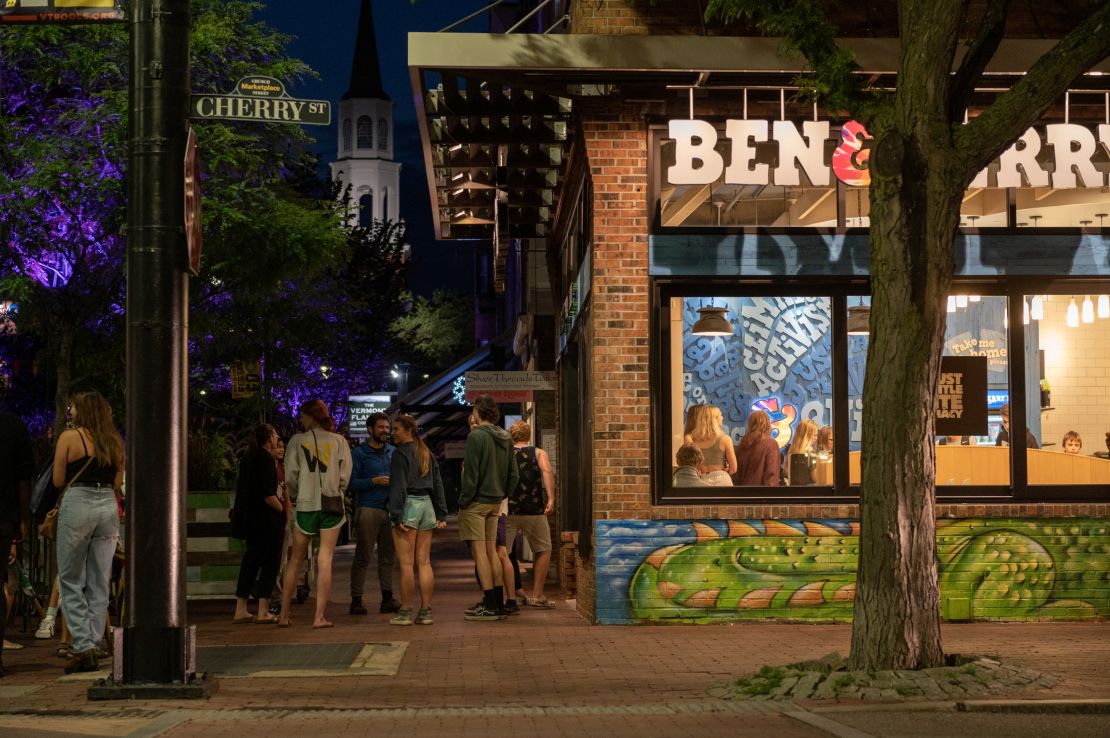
46,630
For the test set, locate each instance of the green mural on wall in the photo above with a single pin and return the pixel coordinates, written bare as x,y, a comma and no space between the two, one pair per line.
806,570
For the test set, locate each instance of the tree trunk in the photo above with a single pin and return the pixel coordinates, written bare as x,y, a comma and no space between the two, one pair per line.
916,191
63,357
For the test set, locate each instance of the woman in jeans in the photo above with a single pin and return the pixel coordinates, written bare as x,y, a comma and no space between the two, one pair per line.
264,520
91,456
416,508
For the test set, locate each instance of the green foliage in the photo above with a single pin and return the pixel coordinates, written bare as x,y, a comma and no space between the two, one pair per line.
211,461
764,682
806,30
439,330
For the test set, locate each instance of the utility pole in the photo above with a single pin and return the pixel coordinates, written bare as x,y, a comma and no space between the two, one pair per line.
155,656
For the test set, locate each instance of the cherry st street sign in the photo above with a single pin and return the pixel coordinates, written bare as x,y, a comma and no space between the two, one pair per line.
60,11
260,99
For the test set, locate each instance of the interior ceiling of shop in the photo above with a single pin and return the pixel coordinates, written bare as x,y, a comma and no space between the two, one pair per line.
496,110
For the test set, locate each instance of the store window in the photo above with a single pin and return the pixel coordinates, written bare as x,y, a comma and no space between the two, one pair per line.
976,329
1068,407
732,358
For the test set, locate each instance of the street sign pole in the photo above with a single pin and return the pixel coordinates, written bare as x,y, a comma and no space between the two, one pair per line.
156,653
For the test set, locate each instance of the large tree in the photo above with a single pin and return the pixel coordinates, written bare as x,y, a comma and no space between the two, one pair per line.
923,159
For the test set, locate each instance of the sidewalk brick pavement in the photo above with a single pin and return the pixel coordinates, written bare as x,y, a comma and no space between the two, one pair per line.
540,659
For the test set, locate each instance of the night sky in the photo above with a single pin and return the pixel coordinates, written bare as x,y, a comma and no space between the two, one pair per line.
325,40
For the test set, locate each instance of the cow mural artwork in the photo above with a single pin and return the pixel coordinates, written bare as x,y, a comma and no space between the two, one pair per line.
805,570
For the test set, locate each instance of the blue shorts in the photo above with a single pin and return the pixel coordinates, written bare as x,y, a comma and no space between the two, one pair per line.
419,513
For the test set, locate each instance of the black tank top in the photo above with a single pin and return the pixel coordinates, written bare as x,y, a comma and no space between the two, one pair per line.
95,473
528,497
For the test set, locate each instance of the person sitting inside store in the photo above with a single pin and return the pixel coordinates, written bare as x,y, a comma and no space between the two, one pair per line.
1072,443
757,455
1004,434
800,459
689,458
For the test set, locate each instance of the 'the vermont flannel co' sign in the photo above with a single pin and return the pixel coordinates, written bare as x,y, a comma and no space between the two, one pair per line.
961,406
60,11
260,99
697,162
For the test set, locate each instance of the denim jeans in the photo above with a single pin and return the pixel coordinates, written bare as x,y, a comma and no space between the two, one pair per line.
88,529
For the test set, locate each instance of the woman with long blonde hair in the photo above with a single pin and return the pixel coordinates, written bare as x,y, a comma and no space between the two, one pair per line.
417,507
89,458
719,457
799,461
757,455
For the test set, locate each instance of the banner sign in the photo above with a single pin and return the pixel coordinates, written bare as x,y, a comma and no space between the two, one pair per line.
361,407
500,396
260,99
1064,151
246,379
486,382
961,405
61,11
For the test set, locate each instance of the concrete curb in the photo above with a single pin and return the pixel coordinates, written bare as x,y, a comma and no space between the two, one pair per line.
1075,707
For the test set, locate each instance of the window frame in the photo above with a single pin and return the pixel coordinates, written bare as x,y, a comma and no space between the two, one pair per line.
840,291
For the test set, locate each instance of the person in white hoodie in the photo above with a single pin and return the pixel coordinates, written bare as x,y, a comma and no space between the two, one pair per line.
317,470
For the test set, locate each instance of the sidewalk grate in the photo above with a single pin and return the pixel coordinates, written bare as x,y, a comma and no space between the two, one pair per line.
303,659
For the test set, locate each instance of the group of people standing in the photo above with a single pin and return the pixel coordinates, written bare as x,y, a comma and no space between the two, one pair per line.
708,457
399,501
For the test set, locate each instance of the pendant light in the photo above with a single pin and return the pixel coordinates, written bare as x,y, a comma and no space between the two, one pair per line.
1073,314
951,304
961,301
1036,312
859,319
1088,310
1024,312
712,322
1104,306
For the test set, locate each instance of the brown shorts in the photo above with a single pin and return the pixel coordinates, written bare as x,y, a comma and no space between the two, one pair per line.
535,529
478,522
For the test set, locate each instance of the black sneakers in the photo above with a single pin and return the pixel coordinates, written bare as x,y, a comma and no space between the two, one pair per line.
390,605
357,608
481,612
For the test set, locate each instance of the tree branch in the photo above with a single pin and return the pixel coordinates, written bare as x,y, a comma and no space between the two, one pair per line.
988,135
978,56
805,28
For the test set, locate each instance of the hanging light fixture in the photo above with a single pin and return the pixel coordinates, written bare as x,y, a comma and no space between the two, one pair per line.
712,322
1104,306
951,304
1024,312
1088,310
961,301
1037,311
1073,314
859,319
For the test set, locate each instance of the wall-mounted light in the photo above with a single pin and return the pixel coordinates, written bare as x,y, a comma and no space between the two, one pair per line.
1104,306
1073,314
1036,312
1088,310
712,322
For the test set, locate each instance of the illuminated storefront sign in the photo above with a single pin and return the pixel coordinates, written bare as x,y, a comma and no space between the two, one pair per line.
698,162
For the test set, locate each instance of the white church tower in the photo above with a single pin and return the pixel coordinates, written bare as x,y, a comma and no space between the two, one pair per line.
365,157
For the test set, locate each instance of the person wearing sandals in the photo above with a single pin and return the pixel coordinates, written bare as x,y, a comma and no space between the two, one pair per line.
530,502
417,507
263,520
317,470
89,459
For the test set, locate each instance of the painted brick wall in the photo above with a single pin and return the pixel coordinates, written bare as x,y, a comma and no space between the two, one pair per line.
586,589
994,567
616,150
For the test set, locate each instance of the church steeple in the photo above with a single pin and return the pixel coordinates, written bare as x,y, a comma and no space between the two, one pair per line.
366,72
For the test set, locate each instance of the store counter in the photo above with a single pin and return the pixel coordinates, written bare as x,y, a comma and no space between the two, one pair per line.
990,465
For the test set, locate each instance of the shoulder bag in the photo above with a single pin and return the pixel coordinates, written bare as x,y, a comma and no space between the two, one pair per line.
48,529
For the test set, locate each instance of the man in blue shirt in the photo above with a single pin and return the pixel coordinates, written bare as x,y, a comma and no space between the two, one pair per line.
370,487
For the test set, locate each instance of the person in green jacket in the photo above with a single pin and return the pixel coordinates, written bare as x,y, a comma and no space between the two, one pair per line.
489,474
